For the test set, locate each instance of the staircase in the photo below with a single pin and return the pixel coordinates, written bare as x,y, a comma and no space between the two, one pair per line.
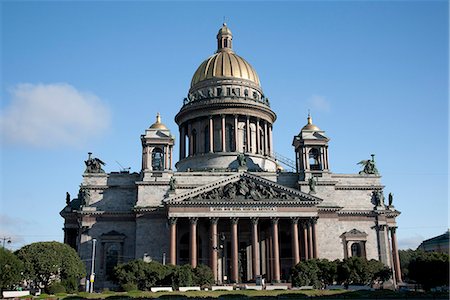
289,163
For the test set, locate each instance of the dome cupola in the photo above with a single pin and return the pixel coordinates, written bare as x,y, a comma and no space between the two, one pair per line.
225,115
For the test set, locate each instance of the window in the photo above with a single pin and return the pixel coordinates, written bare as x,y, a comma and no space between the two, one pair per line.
314,162
157,160
229,138
111,258
356,249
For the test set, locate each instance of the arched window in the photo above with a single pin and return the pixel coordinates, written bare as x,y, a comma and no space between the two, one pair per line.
356,250
314,159
229,138
157,159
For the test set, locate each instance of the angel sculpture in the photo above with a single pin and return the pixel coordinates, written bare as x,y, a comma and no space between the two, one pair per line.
94,165
369,166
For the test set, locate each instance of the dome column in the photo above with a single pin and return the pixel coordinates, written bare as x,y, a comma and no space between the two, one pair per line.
224,148
182,142
236,135
247,132
270,140
266,151
211,134
258,137
191,148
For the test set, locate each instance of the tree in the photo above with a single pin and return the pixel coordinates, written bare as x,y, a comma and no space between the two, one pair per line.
10,269
48,262
430,269
405,258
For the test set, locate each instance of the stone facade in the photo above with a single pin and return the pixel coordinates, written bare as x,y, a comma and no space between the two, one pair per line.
229,204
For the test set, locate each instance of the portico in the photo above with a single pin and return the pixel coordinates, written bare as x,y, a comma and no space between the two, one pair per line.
241,237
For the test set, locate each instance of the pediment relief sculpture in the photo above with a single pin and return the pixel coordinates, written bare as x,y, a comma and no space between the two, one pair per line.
243,189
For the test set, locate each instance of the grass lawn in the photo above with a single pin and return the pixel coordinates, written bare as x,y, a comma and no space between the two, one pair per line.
244,294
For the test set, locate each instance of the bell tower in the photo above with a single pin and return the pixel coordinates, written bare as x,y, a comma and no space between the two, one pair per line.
311,151
157,146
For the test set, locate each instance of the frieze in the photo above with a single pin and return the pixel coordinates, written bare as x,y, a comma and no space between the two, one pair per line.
228,209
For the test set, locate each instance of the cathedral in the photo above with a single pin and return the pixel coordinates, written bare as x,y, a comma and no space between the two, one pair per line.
228,203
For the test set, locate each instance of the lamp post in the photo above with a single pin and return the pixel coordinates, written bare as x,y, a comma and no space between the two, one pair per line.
92,277
219,250
6,240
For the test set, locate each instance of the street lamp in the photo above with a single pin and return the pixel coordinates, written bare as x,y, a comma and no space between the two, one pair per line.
7,240
219,249
92,277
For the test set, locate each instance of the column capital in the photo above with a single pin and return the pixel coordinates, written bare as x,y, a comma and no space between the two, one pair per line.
193,220
304,224
274,220
254,220
213,220
173,221
393,229
294,220
234,220
380,227
313,220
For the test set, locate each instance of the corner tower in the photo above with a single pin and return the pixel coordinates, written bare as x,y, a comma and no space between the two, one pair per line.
225,114
311,151
157,145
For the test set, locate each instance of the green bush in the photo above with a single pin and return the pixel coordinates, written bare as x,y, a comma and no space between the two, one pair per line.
306,273
56,288
203,276
183,276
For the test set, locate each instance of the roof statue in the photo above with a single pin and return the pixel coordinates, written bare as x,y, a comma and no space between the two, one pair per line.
172,184
390,199
93,165
369,166
312,185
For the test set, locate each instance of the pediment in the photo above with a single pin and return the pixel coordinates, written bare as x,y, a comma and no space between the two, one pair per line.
243,188
354,233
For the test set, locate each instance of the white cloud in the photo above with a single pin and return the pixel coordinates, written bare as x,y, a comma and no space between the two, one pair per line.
49,115
319,103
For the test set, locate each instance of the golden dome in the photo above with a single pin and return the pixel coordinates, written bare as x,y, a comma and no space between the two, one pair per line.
310,126
158,124
225,63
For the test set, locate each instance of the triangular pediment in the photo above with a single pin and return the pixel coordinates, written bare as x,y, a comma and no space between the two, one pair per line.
244,188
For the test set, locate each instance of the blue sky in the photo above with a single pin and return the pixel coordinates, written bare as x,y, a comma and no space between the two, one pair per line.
91,76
